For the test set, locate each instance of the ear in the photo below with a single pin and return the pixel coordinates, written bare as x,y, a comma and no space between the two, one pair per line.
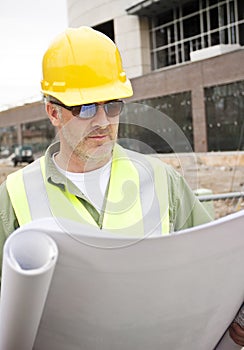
53,114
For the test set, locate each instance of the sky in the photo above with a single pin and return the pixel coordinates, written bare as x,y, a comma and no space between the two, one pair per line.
26,29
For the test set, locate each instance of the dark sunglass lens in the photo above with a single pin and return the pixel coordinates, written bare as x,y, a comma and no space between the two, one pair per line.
113,108
76,110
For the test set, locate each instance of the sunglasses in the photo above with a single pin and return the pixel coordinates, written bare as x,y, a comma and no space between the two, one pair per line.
88,111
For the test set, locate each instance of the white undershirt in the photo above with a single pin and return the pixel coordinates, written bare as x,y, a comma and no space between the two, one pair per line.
92,184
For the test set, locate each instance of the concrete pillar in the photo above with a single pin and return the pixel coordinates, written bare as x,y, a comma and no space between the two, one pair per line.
19,134
199,119
132,38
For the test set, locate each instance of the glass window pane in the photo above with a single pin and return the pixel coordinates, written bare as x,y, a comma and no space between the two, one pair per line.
232,12
215,39
162,58
190,7
179,48
232,35
187,50
223,15
214,22
170,34
241,33
175,106
161,37
224,36
240,5
171,55
212,2
204,4
204,19
191,26
225,110
163,18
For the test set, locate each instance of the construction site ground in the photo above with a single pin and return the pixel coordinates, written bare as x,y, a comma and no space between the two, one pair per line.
216,172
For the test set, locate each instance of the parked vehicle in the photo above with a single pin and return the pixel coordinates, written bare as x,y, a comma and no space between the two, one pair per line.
23,154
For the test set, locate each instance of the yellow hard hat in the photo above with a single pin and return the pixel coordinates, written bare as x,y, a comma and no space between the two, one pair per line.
82,66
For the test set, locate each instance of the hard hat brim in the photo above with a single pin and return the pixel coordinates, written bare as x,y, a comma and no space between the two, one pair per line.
75,96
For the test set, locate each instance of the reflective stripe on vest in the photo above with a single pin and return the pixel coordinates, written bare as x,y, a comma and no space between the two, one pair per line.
136,203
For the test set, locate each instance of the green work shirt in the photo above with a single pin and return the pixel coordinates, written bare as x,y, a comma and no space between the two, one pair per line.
184,208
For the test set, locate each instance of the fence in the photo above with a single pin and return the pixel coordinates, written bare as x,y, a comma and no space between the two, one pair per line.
224,203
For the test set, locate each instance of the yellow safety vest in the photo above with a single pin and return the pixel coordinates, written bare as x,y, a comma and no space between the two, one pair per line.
136,203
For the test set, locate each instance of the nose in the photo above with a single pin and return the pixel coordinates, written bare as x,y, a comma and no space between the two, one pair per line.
100,118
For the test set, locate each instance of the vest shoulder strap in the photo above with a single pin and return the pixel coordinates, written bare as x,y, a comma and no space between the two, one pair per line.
18,192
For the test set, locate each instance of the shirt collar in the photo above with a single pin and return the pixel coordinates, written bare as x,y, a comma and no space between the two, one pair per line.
53,176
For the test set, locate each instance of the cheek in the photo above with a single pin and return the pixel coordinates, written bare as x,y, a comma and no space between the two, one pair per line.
77,127
115,129
115,125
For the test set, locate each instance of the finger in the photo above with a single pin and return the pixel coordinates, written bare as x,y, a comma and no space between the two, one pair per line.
237,334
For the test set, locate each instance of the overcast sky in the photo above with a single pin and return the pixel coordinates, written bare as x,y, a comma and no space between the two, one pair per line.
26,29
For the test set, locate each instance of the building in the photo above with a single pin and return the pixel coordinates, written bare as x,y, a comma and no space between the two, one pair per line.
184,58
27,124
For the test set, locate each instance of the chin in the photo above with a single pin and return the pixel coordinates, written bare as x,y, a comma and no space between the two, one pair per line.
100,152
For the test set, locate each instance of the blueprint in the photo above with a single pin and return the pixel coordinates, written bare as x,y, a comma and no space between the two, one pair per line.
70,286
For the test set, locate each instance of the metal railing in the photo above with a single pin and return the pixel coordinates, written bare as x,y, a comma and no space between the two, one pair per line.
224,203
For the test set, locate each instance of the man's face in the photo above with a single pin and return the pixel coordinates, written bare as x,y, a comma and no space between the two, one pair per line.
90,140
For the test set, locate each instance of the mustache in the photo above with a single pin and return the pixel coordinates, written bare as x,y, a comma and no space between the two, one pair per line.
98,131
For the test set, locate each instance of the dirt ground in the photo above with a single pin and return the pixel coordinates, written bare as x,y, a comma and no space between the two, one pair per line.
215,178
222,180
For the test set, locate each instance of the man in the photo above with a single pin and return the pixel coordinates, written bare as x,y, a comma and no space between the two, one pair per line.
86,176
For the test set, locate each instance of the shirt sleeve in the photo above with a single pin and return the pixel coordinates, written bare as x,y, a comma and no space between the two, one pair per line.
184,207
8,220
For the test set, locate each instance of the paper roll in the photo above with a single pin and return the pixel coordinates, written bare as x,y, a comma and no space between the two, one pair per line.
28,264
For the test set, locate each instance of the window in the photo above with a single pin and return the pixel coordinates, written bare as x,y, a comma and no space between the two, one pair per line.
225,109
194,26
106,28
170,124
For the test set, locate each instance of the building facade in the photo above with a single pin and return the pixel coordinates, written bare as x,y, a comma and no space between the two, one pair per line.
184,58
25,125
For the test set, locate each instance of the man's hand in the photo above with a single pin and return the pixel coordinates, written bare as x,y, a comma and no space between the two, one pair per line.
237,333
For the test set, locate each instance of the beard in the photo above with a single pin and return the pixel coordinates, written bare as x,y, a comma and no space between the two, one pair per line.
95,146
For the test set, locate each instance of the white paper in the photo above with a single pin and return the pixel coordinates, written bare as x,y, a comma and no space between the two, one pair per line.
28,265
177,292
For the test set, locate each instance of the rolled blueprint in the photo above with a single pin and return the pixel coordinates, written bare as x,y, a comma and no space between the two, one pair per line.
180,291
28,264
